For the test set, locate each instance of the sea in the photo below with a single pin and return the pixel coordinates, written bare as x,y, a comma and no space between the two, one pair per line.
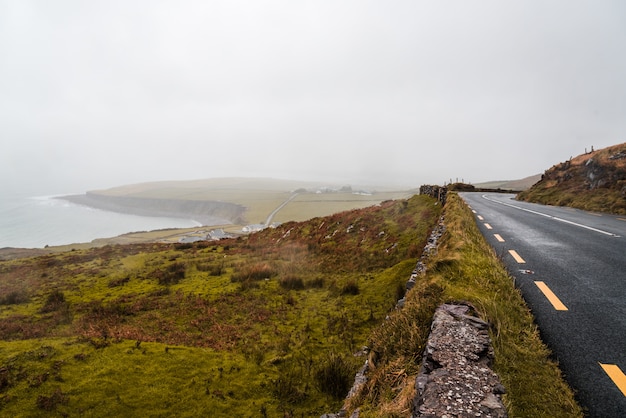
37,221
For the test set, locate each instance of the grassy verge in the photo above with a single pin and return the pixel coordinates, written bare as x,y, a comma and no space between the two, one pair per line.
466,268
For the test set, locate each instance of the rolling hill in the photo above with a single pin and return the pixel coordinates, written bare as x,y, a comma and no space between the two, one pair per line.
521,184
594,181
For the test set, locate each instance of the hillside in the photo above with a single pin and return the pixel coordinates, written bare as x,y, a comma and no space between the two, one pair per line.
521,184
595,181
261,325
273,324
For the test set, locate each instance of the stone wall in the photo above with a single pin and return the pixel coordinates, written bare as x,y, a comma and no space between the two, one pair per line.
420,268
437,192
455,379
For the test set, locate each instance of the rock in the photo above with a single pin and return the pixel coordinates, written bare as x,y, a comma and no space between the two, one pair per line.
455,378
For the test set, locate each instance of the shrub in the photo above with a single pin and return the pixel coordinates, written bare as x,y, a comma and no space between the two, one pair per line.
292,283
254,353
258,271
248,284
119,282
15,298
55,302
287,387
173,274
406,331
333,376
400,291
214,269
317,283
350,288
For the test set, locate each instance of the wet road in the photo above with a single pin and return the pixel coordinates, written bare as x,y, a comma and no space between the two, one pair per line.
571,268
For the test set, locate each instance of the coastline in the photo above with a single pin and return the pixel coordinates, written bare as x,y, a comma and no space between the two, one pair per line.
39,225
204,212
166,236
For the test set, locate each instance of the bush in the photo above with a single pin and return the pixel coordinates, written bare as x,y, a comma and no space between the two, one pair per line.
214,269
15,298
406,331
173,274
119,282
350,288
248,285
55,302
292,283
258,271
334,376
316,283
287,387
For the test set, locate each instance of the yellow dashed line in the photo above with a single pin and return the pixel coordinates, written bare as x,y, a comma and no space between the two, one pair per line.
488,226
621,219
498,237
554,300
616,375
516,256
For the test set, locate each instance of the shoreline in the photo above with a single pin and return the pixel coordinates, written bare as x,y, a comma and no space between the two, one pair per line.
206,213
199,217
164,236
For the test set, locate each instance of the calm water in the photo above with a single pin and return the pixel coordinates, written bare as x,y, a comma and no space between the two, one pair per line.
34,222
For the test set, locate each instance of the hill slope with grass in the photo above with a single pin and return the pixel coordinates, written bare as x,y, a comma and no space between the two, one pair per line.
595,181
262,325
268,325
521,184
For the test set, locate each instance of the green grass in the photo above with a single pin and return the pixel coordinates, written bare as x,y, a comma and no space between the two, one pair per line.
129,379
145,329
466,268
263,325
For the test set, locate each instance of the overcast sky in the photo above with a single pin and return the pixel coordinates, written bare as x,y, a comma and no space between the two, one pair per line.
102,93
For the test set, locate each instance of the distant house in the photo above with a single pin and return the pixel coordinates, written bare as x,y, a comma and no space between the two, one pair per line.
218,234
189,239
253,228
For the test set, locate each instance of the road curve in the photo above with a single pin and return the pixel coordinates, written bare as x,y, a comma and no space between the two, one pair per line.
571,268
268,221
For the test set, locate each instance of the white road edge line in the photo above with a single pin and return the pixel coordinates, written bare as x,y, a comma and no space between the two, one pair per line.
552,217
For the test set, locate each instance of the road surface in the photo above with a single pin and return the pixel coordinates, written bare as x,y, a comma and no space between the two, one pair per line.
268,221
571,268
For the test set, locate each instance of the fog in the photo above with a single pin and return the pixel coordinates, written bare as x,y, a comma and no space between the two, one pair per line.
102,93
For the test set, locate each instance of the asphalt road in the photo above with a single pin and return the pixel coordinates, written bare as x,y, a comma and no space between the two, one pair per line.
571,268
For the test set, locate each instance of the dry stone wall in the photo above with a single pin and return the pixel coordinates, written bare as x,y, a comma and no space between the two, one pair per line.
456,379
437,192
361,377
